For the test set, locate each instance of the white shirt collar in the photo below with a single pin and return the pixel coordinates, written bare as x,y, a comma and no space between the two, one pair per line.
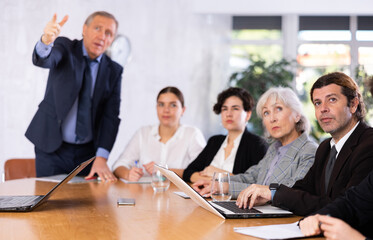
236,141
342,141
155,132
85,54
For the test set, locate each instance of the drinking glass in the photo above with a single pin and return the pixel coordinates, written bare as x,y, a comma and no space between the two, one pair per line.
220,186
159,182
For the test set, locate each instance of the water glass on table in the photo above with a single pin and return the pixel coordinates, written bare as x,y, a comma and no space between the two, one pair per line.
220,186
159,182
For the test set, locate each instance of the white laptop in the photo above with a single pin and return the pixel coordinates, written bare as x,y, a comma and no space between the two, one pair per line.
226,209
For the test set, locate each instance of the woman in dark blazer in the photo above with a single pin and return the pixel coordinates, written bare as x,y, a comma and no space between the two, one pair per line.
237,151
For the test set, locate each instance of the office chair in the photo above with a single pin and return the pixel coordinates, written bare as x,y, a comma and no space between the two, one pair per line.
19,168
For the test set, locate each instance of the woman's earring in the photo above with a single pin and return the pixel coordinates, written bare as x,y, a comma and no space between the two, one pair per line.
297,119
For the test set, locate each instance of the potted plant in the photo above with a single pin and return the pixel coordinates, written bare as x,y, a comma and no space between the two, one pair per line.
258,77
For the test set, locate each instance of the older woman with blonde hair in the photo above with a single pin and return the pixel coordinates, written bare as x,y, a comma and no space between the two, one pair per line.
291,153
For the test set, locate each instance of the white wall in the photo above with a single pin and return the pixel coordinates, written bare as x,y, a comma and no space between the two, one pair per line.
171,45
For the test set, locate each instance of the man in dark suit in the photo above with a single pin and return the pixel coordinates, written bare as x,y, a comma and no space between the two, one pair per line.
353,210
339,110
79,115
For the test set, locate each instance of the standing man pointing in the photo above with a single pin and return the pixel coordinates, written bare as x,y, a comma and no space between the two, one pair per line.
78,117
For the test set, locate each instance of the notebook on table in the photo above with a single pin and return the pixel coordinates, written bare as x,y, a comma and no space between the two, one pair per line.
223,209
58,178
29,203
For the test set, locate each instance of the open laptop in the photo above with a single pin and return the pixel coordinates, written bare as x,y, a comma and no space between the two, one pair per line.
226,209
29,203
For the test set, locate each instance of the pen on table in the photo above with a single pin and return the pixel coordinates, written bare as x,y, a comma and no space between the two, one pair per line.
137,164
91,178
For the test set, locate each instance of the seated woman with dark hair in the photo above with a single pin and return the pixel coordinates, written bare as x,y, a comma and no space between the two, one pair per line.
235,152
291,154
167,143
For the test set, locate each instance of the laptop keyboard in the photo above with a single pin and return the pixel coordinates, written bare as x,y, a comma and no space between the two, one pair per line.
15,201
231,206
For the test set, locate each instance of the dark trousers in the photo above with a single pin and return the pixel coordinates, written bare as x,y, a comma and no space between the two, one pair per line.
64,159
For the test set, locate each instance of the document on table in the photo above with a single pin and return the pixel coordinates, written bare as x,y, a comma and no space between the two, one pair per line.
60,177
141,180
279,231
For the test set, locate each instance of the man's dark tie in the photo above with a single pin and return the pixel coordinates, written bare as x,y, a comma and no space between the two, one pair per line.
84,115
329,166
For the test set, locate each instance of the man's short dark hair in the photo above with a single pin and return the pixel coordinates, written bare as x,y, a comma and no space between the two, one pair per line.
349,89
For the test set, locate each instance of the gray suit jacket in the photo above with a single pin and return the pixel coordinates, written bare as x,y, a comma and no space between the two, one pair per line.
293,166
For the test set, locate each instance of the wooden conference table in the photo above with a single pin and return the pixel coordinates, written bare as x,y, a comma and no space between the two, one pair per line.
90,211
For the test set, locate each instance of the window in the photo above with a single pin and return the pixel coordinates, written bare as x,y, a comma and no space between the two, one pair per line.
364,28
364,36
319,44
257,37
324,28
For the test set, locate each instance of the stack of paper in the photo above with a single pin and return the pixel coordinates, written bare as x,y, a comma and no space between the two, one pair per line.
279,231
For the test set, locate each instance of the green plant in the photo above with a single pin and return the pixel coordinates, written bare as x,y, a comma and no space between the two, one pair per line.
258,77
363,81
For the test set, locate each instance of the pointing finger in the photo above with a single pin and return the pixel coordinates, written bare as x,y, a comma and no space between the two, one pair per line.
54,18
64,20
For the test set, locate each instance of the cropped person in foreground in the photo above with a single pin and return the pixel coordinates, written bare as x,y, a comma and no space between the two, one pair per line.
346,216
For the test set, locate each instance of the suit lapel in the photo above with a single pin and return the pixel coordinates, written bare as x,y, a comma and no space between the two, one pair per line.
344,155
67,87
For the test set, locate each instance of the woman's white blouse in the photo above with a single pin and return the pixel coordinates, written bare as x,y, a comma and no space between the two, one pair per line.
219,160
184,146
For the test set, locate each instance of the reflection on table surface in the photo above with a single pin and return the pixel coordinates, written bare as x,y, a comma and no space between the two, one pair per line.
90,211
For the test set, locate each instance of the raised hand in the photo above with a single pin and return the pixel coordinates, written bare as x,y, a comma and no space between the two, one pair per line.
53,29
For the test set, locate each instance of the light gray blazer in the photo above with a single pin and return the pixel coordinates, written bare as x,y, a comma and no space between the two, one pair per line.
293,166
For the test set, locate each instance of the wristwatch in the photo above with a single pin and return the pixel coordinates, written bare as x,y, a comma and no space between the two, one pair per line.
274,186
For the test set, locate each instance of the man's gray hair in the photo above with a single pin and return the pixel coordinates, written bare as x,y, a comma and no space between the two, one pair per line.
103,14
